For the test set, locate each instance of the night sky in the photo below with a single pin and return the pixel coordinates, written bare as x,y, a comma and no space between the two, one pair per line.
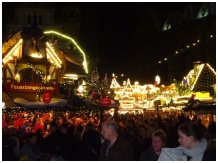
112,26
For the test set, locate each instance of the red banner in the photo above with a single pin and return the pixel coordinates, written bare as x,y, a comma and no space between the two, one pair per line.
29,87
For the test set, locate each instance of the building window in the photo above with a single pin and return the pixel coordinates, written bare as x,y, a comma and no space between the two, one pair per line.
29,21
27,75
34,19
40,19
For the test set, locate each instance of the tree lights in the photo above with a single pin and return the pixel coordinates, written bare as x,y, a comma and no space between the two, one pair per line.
101,89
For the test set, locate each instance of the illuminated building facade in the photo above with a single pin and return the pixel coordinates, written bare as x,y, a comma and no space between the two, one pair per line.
37,56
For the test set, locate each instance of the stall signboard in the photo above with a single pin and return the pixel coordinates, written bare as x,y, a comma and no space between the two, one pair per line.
29,87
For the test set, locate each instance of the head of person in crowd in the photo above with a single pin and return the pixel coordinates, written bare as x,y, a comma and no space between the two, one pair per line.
142,131
64,128
53,126
89,126
78,131
96,119
159,139
26,122
151,127
151,119
39,132
78,122
189,135
128,133
109,130
28,130
131,122
49,118
32,138
71,121
122,124
11,131
38,121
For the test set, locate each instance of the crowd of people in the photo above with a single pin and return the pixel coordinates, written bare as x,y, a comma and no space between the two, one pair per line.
129,137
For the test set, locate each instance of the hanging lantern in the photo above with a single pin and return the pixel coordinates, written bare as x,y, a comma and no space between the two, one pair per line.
47,98
105,102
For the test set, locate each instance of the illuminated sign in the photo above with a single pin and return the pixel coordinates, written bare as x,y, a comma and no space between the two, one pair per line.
29,87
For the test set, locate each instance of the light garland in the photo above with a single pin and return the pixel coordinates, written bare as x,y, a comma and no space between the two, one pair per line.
57,59
41,74
174,55
178,52
66,84
53,58
8,56
74,42
36,70
30,110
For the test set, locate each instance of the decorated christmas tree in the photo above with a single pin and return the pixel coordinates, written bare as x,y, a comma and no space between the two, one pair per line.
96,89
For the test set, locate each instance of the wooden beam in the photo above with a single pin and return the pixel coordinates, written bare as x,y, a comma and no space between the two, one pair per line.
9,70
53,72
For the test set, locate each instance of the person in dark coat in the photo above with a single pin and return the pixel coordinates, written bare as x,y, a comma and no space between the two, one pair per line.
210,136
115,148
92,142
52,139
64,143
8,146
31,148
23,128
159,139
47,122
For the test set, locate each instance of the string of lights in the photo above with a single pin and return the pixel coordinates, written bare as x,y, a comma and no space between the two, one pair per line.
36,70
74,43
175,54
41,74
30,110
182,50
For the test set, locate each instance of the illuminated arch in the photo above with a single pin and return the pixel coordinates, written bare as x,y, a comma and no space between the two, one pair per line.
75,44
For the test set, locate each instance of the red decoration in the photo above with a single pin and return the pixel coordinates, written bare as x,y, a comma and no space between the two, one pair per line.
94,94
113,102
47,98
105,102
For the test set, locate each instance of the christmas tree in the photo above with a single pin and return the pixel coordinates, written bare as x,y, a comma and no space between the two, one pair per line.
96,89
